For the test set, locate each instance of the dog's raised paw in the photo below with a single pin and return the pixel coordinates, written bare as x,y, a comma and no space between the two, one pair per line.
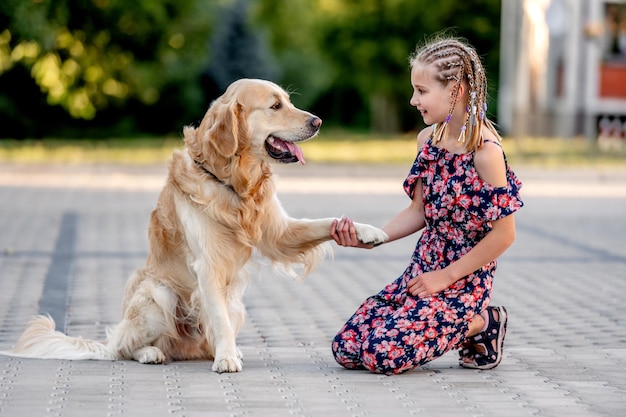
221,365
370,235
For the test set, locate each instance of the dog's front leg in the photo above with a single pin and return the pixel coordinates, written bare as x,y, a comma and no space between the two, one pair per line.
305,232
216,320
302,241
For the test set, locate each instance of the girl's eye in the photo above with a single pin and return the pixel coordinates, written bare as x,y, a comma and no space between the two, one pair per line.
276,105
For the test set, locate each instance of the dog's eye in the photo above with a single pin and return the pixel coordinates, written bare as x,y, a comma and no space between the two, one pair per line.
276,105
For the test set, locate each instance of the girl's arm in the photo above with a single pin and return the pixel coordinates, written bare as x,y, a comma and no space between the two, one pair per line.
489,162
406,222
409,220
491,247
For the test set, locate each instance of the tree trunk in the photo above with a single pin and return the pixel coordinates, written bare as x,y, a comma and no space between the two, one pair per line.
384,114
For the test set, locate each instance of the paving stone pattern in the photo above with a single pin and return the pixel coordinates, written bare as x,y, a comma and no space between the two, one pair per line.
77,238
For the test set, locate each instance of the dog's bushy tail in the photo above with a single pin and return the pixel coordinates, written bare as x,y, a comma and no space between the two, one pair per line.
41,340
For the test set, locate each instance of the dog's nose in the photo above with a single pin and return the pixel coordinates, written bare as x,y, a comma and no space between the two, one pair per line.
316,122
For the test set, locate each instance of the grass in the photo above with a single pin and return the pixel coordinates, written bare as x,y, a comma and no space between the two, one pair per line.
331,147
121,151
578,152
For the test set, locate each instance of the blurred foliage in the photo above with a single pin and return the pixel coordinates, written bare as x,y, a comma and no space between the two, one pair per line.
368,42
89,68
238,49
106,61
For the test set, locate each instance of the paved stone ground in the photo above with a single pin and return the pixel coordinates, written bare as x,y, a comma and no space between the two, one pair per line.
76,234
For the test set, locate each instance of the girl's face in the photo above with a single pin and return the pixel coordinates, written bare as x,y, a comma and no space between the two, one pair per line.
430,97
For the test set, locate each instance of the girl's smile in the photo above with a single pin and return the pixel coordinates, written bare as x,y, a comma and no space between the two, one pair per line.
430,97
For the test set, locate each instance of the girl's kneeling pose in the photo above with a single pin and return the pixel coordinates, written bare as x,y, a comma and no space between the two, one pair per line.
463,194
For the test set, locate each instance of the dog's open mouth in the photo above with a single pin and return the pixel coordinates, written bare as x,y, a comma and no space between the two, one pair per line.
283,151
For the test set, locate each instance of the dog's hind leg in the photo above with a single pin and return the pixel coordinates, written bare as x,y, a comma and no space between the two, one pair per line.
148,321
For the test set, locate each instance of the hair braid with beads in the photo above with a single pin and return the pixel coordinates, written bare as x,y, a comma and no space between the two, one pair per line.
456,61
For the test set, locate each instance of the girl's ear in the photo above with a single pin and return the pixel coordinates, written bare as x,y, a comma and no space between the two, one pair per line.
461,95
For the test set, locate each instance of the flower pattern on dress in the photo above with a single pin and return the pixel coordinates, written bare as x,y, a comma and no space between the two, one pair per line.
392,331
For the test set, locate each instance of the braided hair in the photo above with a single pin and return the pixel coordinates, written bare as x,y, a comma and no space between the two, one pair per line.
456,61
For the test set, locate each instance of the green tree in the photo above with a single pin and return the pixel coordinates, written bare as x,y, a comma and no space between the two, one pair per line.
362,47
86,56
373,38
237,50
139,66
292,29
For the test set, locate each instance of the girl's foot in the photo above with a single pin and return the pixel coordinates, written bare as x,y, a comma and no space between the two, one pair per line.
484,350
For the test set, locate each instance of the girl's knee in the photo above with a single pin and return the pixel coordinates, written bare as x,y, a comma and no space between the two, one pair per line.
346,354
388,361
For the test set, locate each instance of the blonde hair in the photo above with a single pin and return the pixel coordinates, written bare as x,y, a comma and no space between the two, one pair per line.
456,61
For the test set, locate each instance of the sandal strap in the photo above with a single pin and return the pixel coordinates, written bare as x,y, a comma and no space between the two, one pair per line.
487,336
467,352
494,331
491,332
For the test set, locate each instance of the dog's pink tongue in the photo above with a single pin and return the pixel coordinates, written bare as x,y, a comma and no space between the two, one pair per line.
295,150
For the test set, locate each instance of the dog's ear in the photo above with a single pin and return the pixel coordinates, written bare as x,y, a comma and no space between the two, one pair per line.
223,127
191,141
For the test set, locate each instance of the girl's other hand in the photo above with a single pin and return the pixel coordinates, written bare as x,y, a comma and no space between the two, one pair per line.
429,283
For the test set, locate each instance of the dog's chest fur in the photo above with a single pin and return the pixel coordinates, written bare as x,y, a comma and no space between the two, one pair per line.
210,207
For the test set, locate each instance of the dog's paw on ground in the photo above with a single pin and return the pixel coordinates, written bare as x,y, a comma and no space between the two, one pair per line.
221,365
149,355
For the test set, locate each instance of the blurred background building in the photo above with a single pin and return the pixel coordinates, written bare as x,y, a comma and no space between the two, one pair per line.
563,68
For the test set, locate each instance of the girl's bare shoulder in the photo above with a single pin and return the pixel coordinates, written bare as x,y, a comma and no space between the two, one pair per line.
489,163
423,136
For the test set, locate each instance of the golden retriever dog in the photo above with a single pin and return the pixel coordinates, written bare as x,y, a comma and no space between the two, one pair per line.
218,206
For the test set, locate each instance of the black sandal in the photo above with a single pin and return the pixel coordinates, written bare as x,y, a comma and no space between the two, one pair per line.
466,351
495,331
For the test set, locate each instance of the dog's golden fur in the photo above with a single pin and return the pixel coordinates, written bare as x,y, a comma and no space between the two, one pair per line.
217,206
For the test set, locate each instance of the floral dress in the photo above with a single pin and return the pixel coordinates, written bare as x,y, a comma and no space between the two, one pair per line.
393,331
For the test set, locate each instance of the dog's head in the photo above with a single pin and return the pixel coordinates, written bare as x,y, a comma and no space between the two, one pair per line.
253,118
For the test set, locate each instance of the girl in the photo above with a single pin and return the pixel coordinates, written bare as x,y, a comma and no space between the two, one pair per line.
463,194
